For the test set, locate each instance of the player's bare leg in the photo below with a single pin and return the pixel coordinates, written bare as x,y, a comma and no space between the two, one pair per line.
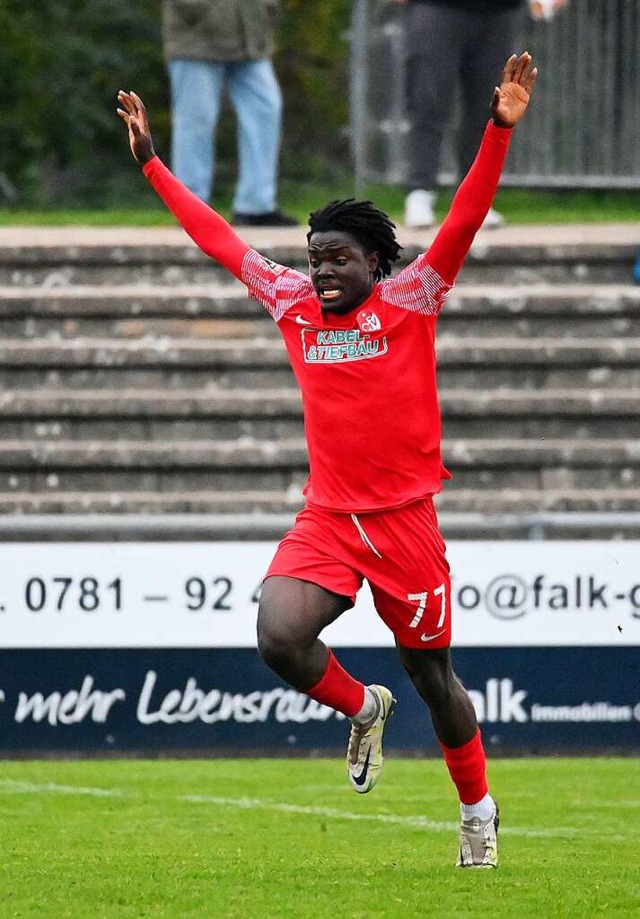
291,615
456,726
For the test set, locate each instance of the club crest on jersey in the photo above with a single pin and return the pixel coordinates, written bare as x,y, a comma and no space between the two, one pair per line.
368,321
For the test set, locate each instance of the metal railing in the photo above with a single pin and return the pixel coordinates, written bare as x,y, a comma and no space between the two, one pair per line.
265,526
583,129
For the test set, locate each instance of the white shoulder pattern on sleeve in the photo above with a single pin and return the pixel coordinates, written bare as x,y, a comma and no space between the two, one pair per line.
276,287
417,288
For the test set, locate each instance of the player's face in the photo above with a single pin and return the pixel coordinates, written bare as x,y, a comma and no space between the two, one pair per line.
340,270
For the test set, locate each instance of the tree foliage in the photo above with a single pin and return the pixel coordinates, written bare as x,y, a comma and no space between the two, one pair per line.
64,60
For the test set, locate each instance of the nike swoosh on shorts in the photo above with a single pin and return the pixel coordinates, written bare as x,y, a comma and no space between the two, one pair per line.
424,637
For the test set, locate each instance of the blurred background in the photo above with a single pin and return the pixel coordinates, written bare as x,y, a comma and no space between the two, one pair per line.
340,65
64,61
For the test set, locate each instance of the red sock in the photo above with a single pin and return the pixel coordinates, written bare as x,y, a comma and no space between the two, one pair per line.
338,689
467,767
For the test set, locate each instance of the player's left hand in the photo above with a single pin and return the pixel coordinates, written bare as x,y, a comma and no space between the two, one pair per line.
134,115
511,98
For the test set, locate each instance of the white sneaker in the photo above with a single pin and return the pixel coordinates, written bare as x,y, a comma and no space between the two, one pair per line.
479,842
418,209
493,220
364,753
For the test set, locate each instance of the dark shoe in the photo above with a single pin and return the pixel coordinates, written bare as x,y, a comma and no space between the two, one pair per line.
270,219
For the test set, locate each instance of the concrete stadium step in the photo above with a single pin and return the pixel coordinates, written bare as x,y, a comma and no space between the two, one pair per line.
105,479
143,353
154,429
217,310
597,378
249,453
27,377
518,426
215,402
31,477
493,502
277,428
174,502
151,414
229,300
162,258
514,500
277,413
543,478
139,378
484,378
515,254
261,361
262,351
128,301
144,270
223,310
540,310
175,329
178,404
477,270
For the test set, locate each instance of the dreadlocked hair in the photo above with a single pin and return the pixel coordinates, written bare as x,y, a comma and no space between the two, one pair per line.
371,227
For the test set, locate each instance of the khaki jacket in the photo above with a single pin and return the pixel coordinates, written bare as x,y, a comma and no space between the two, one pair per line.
219,30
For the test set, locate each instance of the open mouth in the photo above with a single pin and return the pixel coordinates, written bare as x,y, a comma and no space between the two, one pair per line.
330,293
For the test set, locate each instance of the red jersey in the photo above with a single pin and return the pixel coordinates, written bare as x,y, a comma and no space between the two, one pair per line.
367,377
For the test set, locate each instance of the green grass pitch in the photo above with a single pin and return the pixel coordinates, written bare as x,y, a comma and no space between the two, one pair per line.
288,839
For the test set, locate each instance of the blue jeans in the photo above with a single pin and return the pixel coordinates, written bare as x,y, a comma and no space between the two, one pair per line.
196,96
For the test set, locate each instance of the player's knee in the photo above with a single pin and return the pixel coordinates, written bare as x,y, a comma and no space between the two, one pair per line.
271,650
276,639
432,676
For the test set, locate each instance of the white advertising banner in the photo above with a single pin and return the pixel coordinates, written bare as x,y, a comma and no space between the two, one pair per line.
190,595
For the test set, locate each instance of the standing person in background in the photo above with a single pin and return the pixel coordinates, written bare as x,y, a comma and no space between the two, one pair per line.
211,45
451,42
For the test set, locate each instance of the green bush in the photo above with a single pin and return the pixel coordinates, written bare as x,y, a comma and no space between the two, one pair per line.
313,68
64,60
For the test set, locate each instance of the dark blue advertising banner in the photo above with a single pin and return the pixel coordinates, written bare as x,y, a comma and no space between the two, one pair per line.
225,701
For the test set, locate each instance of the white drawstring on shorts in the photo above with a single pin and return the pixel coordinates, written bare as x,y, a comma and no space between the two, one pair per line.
364,537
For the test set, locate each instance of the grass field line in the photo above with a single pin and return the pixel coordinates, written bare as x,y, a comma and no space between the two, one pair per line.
419,822
12,786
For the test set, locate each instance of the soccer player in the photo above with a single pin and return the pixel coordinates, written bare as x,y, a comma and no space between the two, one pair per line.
361,345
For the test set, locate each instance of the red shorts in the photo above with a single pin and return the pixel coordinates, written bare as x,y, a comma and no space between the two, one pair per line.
399,552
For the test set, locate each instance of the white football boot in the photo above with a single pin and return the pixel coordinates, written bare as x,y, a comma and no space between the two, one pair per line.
364,753
479,842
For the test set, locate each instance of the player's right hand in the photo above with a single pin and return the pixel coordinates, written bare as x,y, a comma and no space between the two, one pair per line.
134,115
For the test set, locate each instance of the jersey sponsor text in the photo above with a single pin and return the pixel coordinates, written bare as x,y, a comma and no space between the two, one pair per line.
340,345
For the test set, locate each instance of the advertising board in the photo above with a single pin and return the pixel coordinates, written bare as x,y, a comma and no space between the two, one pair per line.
150,648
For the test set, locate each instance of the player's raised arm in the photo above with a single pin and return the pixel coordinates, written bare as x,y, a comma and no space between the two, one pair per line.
475,195
206,227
